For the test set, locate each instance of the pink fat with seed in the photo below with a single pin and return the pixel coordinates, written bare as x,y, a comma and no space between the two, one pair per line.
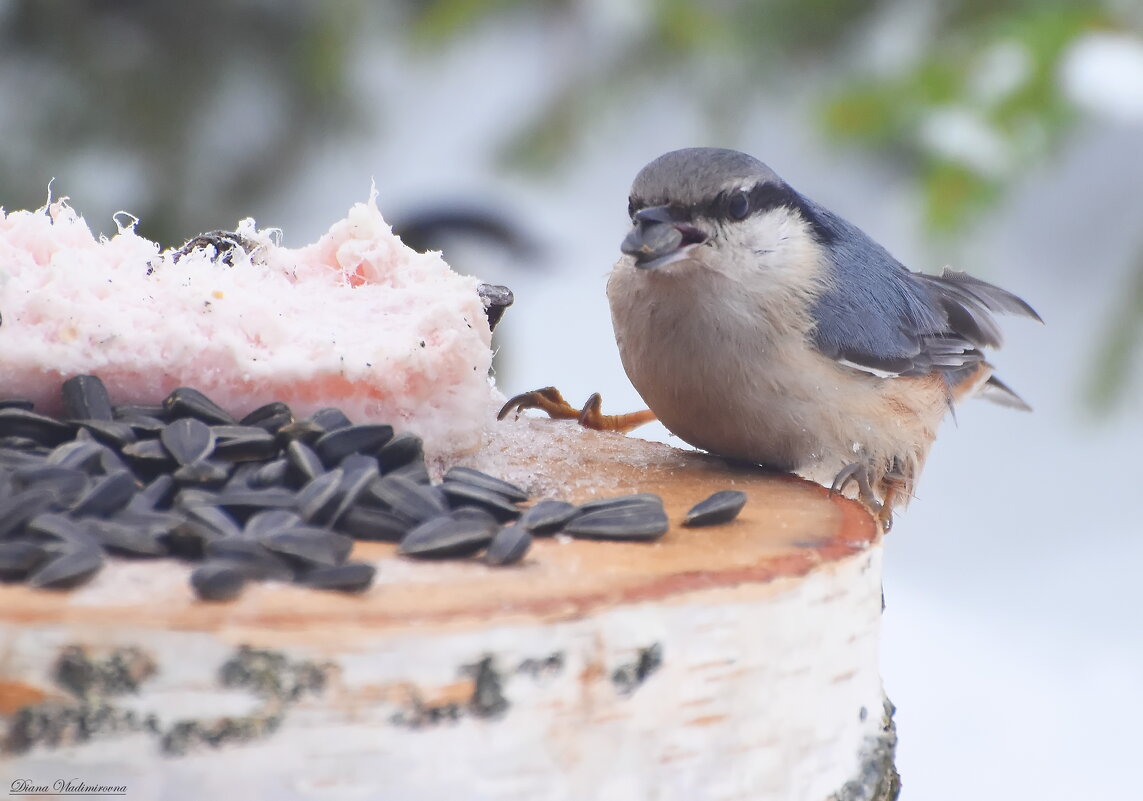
339,322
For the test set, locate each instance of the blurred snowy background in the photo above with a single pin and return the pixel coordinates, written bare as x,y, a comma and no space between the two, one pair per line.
1004,138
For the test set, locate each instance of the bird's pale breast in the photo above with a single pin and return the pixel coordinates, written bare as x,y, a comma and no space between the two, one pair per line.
719,374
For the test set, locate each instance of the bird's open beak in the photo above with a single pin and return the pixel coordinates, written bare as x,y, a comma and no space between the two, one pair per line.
658,239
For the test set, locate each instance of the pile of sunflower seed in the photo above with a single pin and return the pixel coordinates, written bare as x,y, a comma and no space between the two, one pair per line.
267,497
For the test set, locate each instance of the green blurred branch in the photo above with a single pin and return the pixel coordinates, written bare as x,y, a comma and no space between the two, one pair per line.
1121,343
1016,117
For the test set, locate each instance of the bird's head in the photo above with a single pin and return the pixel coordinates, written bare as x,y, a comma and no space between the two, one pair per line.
716,209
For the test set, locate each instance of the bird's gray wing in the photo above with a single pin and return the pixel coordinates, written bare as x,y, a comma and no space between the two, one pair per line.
878,316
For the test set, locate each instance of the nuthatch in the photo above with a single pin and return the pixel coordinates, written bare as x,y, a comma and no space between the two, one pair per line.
759,326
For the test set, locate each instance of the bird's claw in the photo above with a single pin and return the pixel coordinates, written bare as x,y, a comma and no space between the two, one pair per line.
858,473
549,401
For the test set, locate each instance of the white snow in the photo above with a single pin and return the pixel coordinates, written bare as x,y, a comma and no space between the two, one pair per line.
1103,73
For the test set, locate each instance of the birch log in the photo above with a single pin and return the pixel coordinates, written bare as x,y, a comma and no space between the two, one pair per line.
732,662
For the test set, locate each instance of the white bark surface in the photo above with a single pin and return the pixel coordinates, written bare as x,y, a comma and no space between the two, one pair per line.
736,662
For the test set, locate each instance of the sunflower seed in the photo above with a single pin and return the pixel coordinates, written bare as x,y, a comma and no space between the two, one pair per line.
129,538
305,430
350,577
244,443
85,398
468,475
158,493
69,569
209,474
25,444
148,454
402,449
107,495
18,559
461,494
270,521
187,497
15,459
270,474
16,510
313,545
125,410
66,484
331,448
508,546
144,425
496,300
109,462
635,499
414,471
330,419
189,539
213,518
271,417
155,523
452,536
317,499
304,461
364,523
78,454
357,462
641,521
547,517
191,402
38,428
240,474
252,558
115,433
721,507
217,581
243,503
187,440
57,528
401,496
358,472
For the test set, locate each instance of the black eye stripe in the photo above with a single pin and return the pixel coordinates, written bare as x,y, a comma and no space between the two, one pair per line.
762,197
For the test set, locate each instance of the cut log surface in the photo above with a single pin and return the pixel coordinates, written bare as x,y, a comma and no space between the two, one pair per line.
736,661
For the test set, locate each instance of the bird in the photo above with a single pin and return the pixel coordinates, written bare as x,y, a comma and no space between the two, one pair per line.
760,326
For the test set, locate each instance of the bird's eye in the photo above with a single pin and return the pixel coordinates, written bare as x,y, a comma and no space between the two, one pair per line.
738,206
632,207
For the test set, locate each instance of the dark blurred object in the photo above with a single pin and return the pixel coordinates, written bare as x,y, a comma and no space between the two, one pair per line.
188,112
430,228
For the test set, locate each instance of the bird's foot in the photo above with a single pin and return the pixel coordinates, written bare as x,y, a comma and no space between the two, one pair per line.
549,401
859,473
